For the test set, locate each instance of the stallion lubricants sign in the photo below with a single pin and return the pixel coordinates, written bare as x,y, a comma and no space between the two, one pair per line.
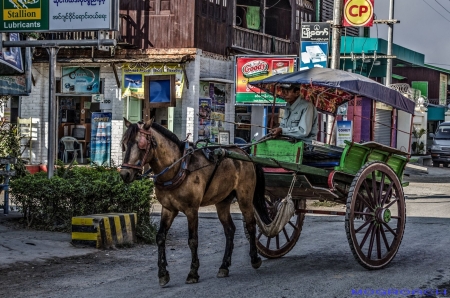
358,13
257,68
24,15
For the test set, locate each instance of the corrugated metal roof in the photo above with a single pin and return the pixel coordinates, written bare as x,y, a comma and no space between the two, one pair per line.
437,68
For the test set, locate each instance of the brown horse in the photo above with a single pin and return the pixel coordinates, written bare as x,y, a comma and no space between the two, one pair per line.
186,184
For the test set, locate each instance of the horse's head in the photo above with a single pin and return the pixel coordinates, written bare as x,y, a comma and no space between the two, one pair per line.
138,144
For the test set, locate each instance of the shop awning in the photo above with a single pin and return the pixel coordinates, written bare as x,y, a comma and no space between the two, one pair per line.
217,80
398,77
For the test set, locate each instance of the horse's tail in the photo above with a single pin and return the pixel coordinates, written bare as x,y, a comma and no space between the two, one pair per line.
258,197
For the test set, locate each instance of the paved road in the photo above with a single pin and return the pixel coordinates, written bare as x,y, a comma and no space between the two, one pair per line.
320,265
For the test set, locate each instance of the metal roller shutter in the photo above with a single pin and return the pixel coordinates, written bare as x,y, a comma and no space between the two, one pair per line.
382,133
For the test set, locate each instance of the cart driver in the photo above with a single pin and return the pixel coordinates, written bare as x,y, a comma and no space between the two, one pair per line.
300,116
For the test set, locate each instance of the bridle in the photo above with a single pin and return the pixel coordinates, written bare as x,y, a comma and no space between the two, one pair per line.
146,140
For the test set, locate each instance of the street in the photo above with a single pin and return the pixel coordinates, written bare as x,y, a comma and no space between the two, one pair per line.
320,265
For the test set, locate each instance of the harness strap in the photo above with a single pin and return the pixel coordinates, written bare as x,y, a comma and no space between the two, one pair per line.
217,163
180,176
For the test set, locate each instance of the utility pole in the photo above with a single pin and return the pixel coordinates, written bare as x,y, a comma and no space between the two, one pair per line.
390,42
335,57
336,34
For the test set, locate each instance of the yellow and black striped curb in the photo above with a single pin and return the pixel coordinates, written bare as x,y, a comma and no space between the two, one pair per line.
104,230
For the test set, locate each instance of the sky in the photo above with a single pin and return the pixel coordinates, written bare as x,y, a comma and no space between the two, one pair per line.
424,27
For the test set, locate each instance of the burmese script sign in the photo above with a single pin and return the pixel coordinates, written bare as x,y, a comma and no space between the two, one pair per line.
59,15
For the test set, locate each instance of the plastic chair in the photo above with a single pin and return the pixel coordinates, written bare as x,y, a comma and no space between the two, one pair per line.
25,132
69,146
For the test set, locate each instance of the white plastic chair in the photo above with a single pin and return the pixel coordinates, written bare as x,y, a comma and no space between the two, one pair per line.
69,146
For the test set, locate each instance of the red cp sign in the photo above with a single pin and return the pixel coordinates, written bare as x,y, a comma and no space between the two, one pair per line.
358,13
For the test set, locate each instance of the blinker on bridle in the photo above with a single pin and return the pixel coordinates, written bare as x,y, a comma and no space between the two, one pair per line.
144,143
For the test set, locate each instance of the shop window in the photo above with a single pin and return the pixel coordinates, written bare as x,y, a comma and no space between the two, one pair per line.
159,92
211,9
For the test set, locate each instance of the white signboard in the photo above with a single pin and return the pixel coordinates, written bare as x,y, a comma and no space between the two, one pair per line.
344,132
83,15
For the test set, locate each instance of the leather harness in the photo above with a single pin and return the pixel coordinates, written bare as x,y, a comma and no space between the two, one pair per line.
147,142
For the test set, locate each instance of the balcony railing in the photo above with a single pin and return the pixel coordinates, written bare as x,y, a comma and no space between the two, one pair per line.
83,35
258,42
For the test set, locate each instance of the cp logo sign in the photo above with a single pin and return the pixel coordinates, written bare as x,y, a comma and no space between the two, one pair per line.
358,13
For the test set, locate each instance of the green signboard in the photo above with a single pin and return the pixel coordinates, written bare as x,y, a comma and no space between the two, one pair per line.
24,15
422,86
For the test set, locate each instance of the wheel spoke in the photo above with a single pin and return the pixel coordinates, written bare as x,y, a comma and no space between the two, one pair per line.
390,204
374,187
390,229
372,237
363,213
368,191
292,225
268,242
364,200
388,193
380,193
259,235
362,226
378,242
385,240
285,234
277,241
366,235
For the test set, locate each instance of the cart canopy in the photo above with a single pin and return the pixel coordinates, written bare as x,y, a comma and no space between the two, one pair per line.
329,88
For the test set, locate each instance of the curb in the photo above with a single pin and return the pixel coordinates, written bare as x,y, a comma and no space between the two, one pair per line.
104,230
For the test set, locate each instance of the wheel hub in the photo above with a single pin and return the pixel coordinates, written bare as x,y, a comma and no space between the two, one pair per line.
383,215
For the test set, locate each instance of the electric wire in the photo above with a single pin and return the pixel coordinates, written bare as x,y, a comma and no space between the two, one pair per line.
435,10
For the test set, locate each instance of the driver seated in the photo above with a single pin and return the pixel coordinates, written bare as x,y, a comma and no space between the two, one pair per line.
300,116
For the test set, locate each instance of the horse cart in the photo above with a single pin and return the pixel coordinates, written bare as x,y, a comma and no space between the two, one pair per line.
366,176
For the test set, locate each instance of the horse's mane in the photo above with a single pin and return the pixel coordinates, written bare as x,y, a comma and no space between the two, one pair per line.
168,134
133,129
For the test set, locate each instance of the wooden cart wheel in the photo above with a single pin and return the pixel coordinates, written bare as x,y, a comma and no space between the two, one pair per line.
281,244
376,215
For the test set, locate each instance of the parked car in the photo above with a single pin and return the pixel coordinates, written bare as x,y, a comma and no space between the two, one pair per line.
440,148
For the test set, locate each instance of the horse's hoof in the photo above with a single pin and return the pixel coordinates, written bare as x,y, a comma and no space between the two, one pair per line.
257,264
223,273
192,279
164,280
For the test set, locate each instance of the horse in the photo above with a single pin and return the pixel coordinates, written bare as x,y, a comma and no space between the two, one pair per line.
185,179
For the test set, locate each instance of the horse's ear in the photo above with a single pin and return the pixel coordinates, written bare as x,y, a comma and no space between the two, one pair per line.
148,124
127,123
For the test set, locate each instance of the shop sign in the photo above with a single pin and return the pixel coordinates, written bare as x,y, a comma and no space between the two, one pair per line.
77,79
98,98
101,138
211,110
358,13
133,78
443,89
344,132
314,45
12,57
257,68
58,15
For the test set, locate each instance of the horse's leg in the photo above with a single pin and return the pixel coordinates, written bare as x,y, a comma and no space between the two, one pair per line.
223,211
167,218
192,217
246,207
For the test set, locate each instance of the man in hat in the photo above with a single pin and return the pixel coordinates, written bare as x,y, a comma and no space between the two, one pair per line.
300,116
